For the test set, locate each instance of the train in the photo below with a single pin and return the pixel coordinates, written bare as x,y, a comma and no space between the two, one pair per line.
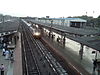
36,32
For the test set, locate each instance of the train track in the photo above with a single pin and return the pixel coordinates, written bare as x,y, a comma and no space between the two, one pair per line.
37,60
44,52
30,64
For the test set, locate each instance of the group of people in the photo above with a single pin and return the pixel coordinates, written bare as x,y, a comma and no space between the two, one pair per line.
96,66
7,53
62,40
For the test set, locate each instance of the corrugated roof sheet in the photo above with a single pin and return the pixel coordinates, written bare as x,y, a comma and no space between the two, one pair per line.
68,19
8,26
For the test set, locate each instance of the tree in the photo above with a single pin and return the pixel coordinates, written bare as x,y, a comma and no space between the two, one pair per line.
99,16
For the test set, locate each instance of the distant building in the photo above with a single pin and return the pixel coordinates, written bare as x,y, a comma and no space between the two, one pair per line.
70,22
47,17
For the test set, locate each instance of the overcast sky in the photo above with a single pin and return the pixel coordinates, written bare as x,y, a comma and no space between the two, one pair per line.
52,8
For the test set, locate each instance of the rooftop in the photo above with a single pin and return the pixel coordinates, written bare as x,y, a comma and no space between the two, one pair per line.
71,19
9,26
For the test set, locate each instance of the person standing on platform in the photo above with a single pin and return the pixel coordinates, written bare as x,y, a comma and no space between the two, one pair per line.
52,36
6,54
49,34
2,68
58,39
64,40
94,64
4,45
11,57
3,52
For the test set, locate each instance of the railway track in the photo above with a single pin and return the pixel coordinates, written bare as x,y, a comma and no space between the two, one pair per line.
49,62
29,60
37,60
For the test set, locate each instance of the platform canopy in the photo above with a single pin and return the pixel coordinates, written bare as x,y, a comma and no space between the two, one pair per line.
9,27
69,19
93,42
72,30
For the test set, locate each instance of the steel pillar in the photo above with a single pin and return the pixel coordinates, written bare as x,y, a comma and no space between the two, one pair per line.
81,51
51,28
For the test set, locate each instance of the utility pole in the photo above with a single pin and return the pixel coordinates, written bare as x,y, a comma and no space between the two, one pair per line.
93,20
51,27
51,24
3,19
63,21
86,13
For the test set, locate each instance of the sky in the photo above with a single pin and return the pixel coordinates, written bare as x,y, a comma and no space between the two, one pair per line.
52,8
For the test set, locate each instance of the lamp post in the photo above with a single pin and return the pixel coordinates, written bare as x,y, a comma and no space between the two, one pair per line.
51,26
3,19
63,21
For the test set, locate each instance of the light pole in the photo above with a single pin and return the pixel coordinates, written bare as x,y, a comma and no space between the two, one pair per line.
51,27
3,19
63,21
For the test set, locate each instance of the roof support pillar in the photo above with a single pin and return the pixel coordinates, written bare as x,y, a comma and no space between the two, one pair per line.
63,36
51,28
64,39
81,51
81,25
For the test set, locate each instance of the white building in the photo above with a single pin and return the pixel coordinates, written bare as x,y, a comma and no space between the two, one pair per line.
70,22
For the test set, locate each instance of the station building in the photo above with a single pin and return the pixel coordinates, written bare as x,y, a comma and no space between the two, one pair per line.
69,22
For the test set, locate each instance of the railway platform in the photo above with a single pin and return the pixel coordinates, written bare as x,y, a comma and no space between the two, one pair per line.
18,58
8,65
84,66
15,67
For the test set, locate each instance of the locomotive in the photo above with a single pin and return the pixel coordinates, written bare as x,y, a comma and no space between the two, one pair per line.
36,32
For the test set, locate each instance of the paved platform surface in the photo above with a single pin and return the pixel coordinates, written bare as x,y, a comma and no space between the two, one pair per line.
84,66
18,58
